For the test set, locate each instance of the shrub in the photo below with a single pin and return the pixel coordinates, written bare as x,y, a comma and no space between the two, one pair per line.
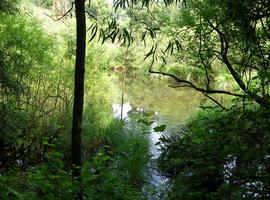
221,155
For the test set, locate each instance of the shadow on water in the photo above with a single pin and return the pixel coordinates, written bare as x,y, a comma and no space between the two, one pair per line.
149,101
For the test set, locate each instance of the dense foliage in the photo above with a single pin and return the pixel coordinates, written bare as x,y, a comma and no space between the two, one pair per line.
36,97
220,155
7,6
213,47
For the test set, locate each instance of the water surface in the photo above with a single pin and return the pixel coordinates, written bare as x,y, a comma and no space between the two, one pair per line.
151,99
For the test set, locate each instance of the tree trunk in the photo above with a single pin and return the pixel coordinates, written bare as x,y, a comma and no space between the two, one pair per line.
78,88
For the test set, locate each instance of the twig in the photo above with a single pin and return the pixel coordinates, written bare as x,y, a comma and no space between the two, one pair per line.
91,15
264,29
215,101
202,60
64,15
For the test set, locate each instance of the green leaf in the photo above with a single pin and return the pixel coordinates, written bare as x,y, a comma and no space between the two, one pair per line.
145,122
160,128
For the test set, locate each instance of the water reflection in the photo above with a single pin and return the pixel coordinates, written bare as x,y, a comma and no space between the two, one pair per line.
153,94
118,109
156,104
157,180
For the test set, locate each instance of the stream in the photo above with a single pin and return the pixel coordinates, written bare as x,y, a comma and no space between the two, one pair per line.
167,106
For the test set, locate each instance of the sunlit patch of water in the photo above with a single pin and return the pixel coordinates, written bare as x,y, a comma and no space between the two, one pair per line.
157,180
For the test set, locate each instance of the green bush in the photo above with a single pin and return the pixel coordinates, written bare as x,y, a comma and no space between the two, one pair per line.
221,155
23,49
100,179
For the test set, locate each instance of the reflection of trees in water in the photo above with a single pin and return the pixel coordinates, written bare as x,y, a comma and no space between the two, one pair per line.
147,94
137,110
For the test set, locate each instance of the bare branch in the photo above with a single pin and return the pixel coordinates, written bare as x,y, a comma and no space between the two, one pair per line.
224,45
64,15
202,60
264,29
91,15
215,101
189,84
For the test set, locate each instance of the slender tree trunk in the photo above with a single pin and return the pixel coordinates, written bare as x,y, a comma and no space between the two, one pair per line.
78,88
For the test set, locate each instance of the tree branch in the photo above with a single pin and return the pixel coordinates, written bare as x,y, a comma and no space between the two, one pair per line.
202,60
224,50
224,46
64,15
191,85
264,29
215,101
91,15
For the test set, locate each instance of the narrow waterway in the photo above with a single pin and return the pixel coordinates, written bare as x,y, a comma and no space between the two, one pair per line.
158,180
158,105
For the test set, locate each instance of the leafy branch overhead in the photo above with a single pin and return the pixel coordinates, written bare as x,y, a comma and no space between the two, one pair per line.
202,35
111,27
124,4
205,36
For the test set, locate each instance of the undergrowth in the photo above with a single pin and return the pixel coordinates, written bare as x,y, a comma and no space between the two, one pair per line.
220,155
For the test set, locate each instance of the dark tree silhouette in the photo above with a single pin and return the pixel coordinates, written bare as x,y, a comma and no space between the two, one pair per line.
78,87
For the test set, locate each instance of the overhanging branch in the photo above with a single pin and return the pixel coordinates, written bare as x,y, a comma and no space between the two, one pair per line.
186,83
